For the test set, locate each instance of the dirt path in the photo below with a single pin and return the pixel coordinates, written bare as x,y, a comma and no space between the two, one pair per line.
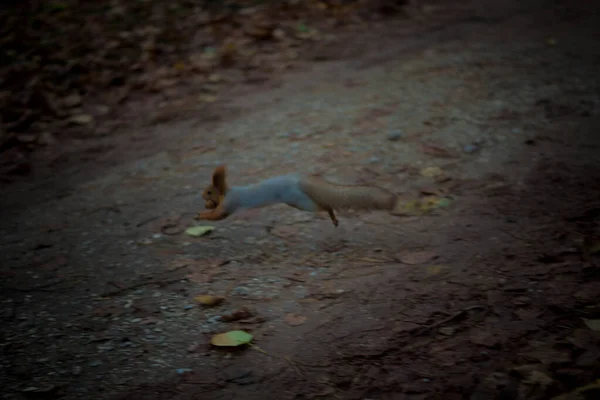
481,299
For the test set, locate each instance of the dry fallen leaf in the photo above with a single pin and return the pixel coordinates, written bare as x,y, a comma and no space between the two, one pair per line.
432,172
209,300
537,378
436,151
593,324
434,269
242,313
416,257
207,98
82,119
294,319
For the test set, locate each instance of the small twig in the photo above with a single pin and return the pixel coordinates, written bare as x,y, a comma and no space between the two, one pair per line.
144,222
515,236
428,328
295,367
41,288
140,284
114,209
286,358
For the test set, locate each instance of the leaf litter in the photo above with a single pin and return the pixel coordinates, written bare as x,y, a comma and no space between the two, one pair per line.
139,48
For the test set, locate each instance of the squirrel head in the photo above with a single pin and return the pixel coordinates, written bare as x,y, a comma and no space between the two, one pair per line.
214,194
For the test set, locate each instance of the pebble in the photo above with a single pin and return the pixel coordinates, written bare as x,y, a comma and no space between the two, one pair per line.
470,148
188,307
95,363
394,135
447,331
301,292
241,291
181,371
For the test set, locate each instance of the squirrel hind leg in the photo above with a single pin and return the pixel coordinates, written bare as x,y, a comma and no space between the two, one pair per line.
334,219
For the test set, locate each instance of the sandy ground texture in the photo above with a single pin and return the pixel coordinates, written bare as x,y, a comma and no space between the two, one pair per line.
483,115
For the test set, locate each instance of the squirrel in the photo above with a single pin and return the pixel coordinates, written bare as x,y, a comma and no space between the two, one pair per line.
304,192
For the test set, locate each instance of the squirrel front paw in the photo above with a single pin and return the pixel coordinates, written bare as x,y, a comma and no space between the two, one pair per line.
210,205
202,216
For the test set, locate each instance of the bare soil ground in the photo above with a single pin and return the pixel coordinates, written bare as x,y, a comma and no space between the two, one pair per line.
495,296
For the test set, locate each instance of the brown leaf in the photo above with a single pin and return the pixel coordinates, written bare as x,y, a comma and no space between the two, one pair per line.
294,319
415,257
436,151
242,313
431,191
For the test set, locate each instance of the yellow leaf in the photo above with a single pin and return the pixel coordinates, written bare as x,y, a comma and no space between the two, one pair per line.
209,300
434,269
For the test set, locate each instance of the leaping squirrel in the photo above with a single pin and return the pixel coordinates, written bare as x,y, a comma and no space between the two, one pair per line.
304,192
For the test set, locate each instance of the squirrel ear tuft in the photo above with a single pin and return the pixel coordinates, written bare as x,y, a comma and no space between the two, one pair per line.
218,178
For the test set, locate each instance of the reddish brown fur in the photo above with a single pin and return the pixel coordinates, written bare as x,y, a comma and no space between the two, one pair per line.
334,196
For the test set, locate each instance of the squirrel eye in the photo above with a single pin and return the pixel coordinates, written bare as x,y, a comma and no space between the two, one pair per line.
209,193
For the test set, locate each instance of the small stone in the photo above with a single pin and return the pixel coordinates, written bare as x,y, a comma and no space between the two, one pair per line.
447,331
241,291
374,160
188,307
136,320
470,148
102,110
193,348
72,101
394,135
46,139
76,370
82,119
181,371
95,363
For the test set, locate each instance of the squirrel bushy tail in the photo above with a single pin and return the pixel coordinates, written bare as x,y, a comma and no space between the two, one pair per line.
336,196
